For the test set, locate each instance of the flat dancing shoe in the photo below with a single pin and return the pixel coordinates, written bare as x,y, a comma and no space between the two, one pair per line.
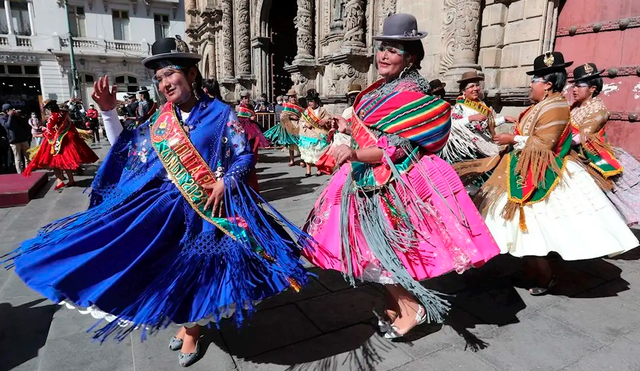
175,343
186,360
539,291
421,317
59,186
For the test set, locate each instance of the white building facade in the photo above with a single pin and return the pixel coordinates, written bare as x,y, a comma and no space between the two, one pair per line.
110,37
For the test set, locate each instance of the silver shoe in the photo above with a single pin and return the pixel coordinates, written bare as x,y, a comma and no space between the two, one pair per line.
175,343
421,317
383,324
186,360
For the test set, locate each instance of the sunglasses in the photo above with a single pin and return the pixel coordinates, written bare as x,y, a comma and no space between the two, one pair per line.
382,46
537,79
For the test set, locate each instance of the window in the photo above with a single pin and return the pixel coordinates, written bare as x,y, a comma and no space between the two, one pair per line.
76,20
2,68
31,70
87,78
15,70
127,84
120,24
162,25
20,18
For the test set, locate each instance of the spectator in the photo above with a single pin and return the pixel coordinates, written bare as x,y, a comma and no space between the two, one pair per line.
146,106
278,107
18,133
263,104
93,124
36,128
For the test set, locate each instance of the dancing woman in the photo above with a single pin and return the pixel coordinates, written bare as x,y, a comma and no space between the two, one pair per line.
314,131
539,198
286,133
611,166
62,150
395,213
173,234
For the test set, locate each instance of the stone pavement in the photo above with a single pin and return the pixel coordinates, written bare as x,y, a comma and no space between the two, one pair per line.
591,322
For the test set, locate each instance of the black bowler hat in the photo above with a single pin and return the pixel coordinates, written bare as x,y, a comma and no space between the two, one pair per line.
143,89
170,51
549,62
401,27
436,85
586,72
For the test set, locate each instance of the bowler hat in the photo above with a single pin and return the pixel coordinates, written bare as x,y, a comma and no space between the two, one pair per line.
292,92
435,85
143,89
354,89
549,62
470,76
50,103
586,72
6,107
170,51
401,27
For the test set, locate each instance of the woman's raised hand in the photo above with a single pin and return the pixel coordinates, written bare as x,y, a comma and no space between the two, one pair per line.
104,96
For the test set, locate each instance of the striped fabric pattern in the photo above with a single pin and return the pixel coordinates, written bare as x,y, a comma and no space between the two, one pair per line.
244,112
293,108
423,119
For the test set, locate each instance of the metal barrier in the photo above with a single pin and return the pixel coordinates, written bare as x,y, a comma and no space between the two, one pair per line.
266,120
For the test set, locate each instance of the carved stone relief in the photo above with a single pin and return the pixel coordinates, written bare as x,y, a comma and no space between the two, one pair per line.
305,27
385,9
354,22
244,38
338,12
227,39
448,34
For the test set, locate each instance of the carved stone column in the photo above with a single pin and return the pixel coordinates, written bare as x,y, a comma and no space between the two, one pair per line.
354,23
227,39
305,26
465,50
243,69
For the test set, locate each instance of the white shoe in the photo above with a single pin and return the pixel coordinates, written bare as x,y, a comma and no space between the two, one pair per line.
421,317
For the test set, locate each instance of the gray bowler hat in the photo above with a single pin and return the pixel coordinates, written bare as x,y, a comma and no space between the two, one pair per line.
401,27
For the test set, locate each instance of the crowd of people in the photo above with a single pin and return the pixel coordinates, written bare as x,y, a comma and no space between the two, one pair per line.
177,232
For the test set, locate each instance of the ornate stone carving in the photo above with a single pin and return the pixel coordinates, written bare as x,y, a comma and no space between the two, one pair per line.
227,38
354,23
466,28
304,25
340,75
448,34
337,14
300,82
244,38
386,8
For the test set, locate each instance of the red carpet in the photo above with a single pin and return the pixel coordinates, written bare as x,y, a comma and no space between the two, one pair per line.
18,190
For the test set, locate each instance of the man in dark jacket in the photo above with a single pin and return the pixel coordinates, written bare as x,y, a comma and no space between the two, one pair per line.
18,134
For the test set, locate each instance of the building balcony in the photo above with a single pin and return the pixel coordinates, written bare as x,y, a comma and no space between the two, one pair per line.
89,46
13,41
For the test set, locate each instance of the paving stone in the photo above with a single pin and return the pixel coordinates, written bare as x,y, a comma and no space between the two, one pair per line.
615,357
15,288
459,327
78,352
330,279
24,325
497,304
268,330
353,348
452,358
587,315
343,308
537,343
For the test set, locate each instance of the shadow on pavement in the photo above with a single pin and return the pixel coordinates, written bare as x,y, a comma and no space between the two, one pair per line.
23,331
276,189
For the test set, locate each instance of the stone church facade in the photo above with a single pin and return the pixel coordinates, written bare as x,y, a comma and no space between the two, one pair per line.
334,46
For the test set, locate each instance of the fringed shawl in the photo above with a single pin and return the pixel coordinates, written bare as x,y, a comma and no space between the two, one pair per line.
589,120
529,175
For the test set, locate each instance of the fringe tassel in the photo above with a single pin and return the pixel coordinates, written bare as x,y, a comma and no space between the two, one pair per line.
538,160
523,223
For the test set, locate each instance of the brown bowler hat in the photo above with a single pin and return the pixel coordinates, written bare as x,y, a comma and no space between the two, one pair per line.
435,85
354,89
292,92
470,76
